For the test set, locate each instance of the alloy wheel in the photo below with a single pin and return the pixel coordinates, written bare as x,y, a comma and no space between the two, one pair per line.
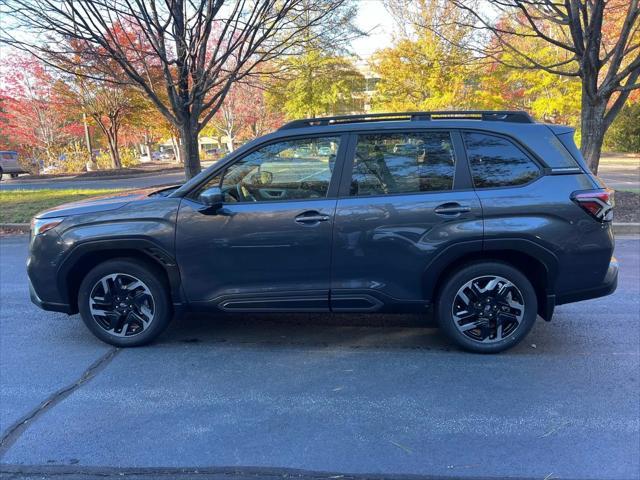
488,309
122,304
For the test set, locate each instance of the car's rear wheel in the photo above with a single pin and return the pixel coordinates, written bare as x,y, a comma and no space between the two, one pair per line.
487,307
124,302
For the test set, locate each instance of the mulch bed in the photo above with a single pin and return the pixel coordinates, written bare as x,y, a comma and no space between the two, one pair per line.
12,231
627,207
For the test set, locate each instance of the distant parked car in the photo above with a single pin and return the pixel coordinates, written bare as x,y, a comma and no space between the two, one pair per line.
155,156
214,152
9,164
167,155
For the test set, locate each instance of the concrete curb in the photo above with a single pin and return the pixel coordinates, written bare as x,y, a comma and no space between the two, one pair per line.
626,228
618,228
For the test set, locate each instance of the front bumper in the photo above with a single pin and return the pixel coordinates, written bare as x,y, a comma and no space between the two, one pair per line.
50,306
607,287
45,253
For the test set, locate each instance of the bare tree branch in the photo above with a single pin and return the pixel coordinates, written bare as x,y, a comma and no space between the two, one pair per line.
185,55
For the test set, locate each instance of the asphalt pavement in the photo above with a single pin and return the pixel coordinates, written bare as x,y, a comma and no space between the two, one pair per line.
621,173
320,396
135,181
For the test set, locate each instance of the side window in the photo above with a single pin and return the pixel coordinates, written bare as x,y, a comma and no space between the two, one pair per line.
391,163
496,162
289,170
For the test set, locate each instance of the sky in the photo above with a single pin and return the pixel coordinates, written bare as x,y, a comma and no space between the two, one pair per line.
372,16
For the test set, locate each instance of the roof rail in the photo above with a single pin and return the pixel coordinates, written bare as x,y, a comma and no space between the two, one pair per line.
487,115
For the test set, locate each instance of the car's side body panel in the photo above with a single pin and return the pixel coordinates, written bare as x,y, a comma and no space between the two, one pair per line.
542,214
382,245
139,227
256,249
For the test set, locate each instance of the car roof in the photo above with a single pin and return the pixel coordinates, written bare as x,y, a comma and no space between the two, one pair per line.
522,131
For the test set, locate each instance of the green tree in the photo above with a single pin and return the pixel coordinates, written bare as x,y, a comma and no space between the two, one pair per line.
421,70
624,134
316,83
419,75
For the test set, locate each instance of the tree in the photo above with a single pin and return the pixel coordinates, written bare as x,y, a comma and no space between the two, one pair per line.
35,120
316,83
228,121
422,70
548,97
418,75
600,41
624,134
244,115
199,48
321,79
259,119
108,105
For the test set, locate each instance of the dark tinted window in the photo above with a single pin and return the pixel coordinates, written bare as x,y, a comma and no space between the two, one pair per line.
496,162
403,163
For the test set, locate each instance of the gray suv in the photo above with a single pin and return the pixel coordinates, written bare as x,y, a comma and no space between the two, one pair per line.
487,218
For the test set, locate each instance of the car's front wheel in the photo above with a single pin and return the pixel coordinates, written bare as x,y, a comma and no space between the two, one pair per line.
487,307
124,302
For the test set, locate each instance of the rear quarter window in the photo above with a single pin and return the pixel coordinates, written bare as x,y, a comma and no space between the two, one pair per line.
498,162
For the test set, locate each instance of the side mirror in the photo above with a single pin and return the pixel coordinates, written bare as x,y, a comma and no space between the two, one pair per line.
212,198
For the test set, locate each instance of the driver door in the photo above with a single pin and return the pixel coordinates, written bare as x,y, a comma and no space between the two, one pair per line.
269,246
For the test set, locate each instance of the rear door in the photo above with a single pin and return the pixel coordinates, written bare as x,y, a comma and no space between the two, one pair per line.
405,197
269,246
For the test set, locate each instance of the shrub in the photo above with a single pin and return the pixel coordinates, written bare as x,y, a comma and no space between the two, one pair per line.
128,158
624,133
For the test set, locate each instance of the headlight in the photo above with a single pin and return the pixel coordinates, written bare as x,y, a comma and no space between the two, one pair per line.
41,225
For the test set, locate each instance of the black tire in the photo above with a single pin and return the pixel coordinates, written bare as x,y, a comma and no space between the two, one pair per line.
131,334
14,175
486,338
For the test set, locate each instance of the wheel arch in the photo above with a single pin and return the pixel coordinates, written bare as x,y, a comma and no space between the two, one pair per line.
87,255
537,263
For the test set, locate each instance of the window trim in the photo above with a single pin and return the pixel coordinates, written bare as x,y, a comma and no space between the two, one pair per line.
542,168
345,184
334,183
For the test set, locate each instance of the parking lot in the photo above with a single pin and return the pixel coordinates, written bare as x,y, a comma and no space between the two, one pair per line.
320,396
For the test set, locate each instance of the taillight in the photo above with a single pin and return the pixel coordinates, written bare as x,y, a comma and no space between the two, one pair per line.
597,203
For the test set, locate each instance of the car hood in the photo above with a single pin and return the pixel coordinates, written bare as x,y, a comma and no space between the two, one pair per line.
102,203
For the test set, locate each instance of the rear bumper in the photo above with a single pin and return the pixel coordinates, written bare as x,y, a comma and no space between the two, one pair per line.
607,287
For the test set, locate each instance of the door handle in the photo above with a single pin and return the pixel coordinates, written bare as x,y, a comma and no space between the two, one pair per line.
451,209
312,217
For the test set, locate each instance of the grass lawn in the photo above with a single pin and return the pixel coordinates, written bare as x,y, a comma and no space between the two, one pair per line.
18,206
